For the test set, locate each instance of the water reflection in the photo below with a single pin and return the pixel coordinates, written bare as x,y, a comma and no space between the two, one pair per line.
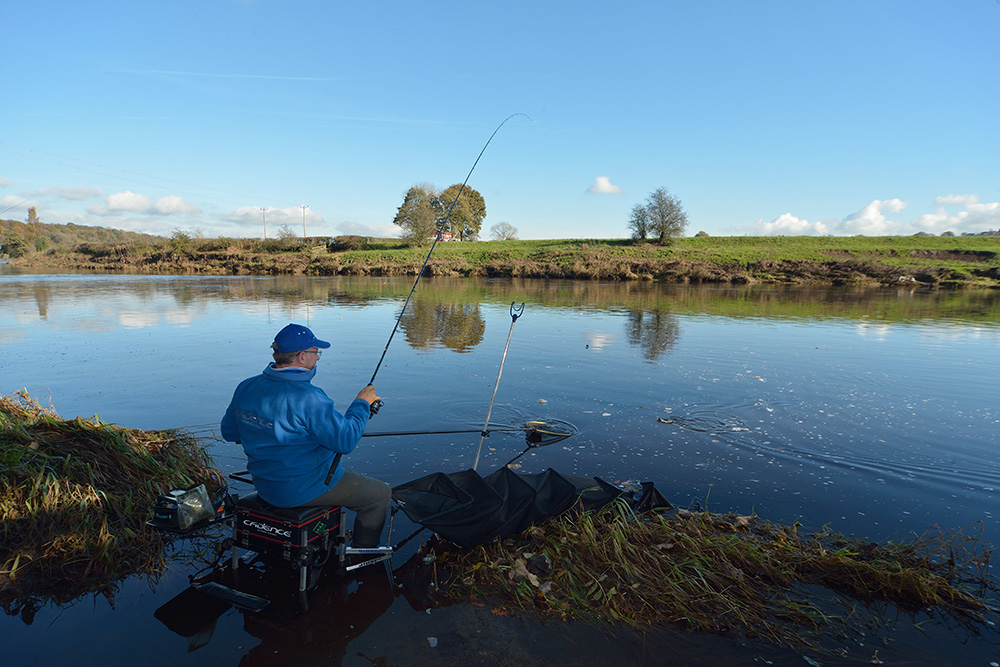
42,300
459,326
296,628
871,410
52,293
654,332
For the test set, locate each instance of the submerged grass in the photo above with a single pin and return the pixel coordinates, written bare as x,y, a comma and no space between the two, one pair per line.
74,498
721,573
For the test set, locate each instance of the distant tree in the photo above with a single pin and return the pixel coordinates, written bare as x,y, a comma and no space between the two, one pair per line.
13,246
638,222
417,214
467,214
285,232
667,218
33,216
347,242
701,234
504,231
179,241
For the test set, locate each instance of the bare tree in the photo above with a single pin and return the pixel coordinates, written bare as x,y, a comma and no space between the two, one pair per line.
638,222
667,218
504,231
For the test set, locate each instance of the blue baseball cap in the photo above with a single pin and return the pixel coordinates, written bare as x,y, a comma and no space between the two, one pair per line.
295,338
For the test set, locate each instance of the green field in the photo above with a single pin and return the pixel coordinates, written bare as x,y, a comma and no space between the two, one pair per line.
930,261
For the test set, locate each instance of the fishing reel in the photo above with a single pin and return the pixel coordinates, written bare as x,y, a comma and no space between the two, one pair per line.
375,407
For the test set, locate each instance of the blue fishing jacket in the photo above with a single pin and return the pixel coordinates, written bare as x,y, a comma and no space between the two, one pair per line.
291,433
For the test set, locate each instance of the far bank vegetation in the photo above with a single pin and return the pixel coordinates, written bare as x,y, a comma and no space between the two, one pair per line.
915,261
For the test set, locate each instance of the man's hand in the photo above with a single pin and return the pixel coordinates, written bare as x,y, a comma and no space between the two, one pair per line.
368,394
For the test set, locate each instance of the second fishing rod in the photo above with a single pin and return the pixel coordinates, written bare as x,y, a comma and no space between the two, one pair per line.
377,405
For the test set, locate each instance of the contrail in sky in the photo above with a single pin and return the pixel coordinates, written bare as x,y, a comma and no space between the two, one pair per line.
216,75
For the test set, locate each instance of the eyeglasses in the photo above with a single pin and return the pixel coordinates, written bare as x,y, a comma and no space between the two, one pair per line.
318,353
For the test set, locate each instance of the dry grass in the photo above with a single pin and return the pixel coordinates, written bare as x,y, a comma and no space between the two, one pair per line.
725,574
74,498
930,261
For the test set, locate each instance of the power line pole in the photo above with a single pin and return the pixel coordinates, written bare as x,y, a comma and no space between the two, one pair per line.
263,217
304,207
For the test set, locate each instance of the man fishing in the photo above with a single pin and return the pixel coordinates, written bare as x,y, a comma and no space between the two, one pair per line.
291,434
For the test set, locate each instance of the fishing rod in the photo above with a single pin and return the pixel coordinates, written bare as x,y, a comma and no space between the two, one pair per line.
528,429
537,433
514,314
377,404
437,237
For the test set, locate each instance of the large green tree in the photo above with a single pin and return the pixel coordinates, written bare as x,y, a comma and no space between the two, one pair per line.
424,211
467,215
417,215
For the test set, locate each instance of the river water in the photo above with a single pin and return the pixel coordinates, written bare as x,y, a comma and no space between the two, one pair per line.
871,412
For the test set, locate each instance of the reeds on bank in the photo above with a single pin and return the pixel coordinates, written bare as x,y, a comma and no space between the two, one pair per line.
722,573
75,495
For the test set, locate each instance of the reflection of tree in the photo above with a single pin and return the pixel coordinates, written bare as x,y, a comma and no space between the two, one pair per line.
41,291
655,331
459,326
465,295
185,295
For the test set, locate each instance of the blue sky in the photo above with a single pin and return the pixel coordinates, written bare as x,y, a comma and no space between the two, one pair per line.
762,117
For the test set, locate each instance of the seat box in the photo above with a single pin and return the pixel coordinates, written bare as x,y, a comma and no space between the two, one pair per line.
295,534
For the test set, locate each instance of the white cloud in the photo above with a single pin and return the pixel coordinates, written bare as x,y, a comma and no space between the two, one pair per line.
16,207
122,202
128,201
787,224
957,200
13,201
875,219
975,218
252,216
131,202
172,204
603,186
78,193
384,230
4,182
248,215
871,220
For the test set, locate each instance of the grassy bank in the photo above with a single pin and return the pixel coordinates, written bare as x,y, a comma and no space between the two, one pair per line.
75,496
930,261
737,576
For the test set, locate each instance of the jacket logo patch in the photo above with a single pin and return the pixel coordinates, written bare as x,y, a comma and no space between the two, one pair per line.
254,421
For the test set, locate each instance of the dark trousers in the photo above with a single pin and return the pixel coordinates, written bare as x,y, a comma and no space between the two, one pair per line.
367,496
